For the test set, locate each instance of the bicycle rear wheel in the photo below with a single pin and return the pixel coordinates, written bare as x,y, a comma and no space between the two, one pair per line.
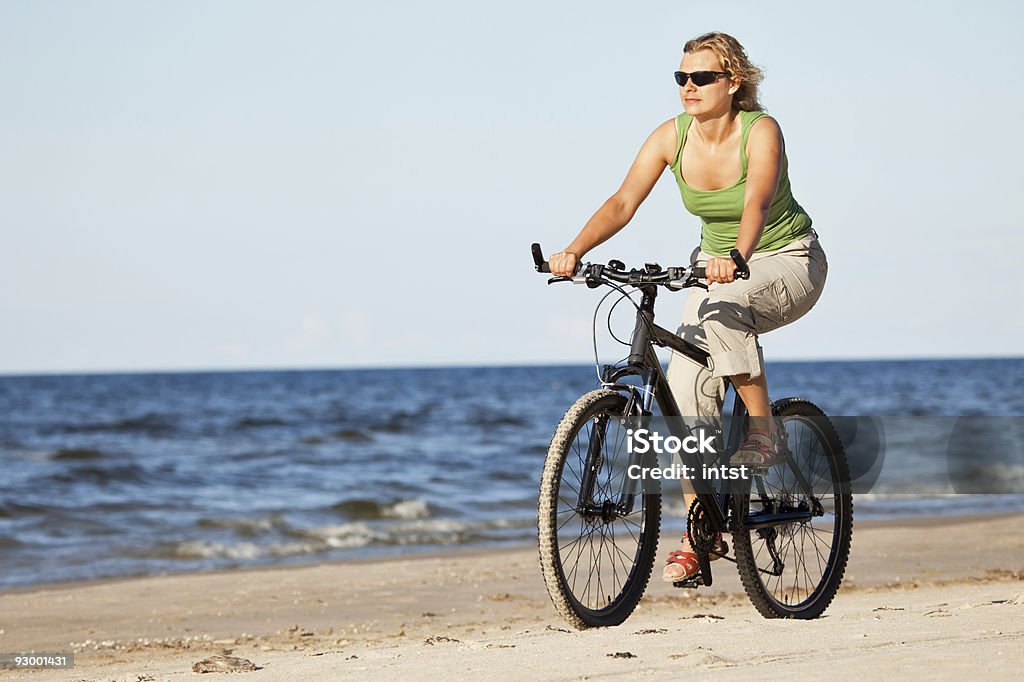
596,560
794,570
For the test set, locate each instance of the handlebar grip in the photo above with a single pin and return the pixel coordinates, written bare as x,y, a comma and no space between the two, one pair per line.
698,273
742,269
538,259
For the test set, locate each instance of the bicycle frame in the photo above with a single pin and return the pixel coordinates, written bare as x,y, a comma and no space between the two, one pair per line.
644,363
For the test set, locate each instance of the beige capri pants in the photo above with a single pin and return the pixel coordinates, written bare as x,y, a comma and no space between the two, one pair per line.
727,319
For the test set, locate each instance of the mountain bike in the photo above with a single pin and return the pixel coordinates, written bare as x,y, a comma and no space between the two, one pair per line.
598,529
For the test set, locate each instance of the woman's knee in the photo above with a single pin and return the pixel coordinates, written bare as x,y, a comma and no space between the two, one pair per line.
695,391
802,287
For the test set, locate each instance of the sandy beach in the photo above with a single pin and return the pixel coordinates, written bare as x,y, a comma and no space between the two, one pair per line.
935,598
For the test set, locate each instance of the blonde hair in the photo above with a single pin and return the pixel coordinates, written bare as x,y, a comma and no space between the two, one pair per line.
734,59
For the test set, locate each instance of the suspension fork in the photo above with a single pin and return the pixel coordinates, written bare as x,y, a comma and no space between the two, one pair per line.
595,457
638,406
630,486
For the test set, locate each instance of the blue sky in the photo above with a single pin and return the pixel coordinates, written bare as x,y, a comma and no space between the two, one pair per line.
240,184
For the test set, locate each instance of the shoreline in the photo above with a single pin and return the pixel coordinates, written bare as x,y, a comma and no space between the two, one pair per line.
912,590
453,551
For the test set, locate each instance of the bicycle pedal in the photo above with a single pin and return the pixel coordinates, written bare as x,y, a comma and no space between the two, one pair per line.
693,582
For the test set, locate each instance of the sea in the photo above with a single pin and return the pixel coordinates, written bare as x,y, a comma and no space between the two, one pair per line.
139,474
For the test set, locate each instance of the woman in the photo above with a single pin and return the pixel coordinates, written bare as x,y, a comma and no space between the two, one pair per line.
728,158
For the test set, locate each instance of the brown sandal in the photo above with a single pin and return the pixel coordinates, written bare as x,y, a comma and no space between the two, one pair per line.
762,449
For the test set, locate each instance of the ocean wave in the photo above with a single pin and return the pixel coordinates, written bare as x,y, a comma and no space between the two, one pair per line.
885,496
100,475
517,475
345,536
258,422
240,551
342,536
246,527
491,419
961,478
352,435
883,505
7,542
990,477
349,435
17,510
349,536
413,415
151,424
70,453
75,454
389,427
398,421
418,532
363,509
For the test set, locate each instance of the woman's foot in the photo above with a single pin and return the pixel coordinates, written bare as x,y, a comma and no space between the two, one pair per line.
683,564
764,448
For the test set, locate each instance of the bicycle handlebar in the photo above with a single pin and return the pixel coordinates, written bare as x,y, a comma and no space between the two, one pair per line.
538,259
651,274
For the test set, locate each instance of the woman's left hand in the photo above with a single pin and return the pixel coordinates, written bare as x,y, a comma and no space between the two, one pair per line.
720,270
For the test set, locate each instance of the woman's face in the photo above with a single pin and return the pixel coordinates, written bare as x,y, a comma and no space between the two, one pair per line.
713,98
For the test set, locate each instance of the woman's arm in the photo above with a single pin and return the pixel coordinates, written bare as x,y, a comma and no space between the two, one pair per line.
764,168
655,154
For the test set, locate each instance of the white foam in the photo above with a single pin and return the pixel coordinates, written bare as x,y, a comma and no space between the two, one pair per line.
407,509
201,549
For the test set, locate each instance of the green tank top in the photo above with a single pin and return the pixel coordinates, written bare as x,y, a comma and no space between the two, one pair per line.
720,210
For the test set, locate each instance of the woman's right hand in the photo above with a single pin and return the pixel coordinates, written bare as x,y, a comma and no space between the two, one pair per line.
563,263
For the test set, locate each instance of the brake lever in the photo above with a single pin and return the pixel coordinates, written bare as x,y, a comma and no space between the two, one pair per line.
577,278
582,276
684,282
688,283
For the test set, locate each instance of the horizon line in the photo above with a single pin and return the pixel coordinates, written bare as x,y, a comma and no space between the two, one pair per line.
442,365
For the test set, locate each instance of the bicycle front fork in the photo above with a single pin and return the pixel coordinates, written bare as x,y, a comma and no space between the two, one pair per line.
598,457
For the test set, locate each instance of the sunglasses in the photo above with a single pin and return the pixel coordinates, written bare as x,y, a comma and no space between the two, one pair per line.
699,78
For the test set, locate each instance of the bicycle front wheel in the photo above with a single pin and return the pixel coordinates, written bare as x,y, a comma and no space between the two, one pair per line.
794,570
595,554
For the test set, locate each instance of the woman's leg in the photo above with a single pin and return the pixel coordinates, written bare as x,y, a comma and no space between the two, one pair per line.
766,436
787,285
698,394
754,393
727,320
